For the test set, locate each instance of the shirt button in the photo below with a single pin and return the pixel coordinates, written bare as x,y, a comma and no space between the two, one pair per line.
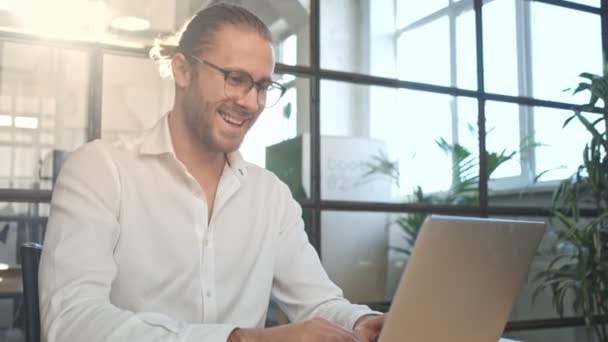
208,294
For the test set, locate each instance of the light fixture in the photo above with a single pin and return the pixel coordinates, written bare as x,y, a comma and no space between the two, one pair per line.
4,267
7,5
26,122
129,23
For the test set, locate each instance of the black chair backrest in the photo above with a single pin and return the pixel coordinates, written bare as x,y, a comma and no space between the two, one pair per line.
30,259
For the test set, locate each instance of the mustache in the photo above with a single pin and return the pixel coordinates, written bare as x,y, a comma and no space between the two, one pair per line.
231,110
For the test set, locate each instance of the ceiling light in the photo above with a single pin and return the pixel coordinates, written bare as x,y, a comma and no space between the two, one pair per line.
130,24
4,267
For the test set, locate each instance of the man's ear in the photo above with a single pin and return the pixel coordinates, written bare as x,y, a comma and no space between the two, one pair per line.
182,70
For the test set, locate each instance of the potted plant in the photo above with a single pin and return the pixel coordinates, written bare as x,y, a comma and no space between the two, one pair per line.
578,264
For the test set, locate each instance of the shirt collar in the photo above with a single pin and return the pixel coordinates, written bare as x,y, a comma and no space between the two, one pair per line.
157,140
236,162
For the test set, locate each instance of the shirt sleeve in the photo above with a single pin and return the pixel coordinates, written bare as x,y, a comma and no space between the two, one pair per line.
77,265
301,286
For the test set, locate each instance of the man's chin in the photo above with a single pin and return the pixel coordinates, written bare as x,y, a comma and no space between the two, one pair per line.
229,147
219,145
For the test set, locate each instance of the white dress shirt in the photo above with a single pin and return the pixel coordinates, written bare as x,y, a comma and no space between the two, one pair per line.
129,254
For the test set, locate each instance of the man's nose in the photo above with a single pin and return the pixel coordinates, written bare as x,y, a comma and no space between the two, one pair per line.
250,100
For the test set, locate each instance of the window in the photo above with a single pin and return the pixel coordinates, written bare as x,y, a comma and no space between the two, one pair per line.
279,122
531,49
437,43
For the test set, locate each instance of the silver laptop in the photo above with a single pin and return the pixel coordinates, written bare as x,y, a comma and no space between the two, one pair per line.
462,279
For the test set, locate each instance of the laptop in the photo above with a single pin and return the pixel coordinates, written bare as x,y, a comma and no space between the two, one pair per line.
462,279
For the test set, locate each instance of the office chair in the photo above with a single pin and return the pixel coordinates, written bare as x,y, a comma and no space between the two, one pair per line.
30,259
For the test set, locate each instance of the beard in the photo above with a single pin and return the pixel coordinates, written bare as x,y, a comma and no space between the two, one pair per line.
201,118
197,116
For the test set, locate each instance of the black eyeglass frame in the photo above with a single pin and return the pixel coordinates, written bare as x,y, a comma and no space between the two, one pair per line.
263,85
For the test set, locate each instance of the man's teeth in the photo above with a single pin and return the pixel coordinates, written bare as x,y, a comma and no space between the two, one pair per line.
232,120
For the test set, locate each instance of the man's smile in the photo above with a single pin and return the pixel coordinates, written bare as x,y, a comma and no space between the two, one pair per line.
234,120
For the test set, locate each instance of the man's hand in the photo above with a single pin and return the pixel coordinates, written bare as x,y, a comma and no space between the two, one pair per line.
311,330
367,328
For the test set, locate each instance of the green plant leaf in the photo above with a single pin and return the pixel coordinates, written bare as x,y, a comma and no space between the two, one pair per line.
382,165
593,100
590,127
287,111
567,121
578,264
589,76
582,86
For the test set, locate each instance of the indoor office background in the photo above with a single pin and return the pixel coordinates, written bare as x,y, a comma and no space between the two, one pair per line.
373,87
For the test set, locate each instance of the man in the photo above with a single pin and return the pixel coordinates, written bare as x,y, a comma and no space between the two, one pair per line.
171,236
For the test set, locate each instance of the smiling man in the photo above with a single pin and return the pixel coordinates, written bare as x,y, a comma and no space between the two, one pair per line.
171,235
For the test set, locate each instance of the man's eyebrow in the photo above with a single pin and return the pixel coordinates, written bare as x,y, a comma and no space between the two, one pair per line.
266,79
237,69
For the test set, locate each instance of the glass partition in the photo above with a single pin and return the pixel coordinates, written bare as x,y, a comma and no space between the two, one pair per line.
356,254
430,42
540,156
537,50
134,96
388,145
280,139
43,110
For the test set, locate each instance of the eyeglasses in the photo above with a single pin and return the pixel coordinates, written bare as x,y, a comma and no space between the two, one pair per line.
237,84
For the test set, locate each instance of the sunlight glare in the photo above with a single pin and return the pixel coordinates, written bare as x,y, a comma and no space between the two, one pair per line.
65,18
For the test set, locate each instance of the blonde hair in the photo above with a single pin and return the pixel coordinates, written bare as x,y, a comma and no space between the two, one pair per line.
197,34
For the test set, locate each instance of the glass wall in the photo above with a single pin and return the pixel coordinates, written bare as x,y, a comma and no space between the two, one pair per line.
356,256
43,108
399,78
436,42
384,144
134,95
538,50
284,122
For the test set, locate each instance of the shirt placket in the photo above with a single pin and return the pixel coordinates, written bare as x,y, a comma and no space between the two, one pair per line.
206,258
208,284
226,187
206,252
